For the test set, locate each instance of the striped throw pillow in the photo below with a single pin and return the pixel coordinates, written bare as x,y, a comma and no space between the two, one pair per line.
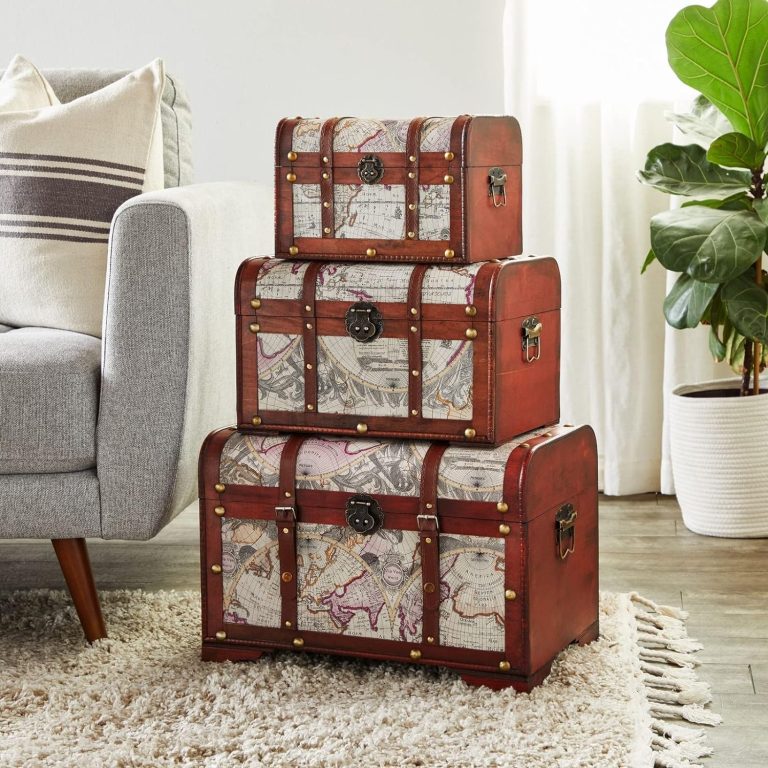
64,171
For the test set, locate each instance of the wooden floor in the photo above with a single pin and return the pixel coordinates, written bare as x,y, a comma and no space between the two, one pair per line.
723,583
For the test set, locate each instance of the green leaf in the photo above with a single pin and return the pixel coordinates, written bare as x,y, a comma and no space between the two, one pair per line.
736,150
686,302
722,52
649,259
736,351
747,306
761,209
686,171
710,245
704,123
738,202
716,347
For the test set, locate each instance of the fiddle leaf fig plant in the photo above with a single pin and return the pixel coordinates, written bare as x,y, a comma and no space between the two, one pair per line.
716,240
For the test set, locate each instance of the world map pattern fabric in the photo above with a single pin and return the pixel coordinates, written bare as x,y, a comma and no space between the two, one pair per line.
366,586
390,467
372,211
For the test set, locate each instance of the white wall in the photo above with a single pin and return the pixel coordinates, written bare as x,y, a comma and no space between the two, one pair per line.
246,64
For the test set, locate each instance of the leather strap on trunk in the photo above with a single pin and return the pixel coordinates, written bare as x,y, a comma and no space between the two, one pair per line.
455,169
429,540
327,132
412,154
285,517
414,339
309,335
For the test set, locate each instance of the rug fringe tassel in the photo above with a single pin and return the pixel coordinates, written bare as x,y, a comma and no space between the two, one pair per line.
674,692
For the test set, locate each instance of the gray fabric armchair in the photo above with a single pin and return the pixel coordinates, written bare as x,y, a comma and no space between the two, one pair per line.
99,437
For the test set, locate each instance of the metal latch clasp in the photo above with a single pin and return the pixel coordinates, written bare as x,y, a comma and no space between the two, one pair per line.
364,322
531,330
497,180
565,523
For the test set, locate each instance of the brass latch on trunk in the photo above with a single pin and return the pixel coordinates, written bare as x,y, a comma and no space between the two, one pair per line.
497,180
565,525
531,338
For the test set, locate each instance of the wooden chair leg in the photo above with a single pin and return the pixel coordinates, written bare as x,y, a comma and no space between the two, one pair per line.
76,567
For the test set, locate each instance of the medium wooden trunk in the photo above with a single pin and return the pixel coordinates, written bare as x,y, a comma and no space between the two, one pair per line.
479,559
439,189
462,353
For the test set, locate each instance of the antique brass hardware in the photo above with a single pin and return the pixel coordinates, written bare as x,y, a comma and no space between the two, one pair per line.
370,169
497,191
364,322
565,524
363,514
531,331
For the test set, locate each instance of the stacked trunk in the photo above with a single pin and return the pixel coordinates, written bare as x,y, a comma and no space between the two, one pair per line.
394,488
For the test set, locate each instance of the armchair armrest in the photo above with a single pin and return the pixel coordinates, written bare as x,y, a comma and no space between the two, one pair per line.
168,350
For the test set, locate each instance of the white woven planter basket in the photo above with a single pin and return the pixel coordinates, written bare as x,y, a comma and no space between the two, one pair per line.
719,451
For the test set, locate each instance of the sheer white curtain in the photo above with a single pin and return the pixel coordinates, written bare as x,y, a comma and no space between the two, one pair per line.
590,83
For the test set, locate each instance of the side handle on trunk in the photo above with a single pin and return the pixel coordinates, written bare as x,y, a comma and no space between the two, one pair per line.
565,530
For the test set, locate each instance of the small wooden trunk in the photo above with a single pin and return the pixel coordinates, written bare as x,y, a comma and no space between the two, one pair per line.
439,189
479,559
462,353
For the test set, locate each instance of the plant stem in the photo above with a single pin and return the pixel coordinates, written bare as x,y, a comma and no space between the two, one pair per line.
757,353
757,192
747,370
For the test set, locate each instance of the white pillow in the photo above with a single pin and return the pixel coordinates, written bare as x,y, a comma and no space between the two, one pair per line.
64,170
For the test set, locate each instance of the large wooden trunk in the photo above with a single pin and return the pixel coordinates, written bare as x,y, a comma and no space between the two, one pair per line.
480,559
462,353
439,189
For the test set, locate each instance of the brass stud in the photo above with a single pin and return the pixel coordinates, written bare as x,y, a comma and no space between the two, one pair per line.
327,230
361,428
370,252
310,407
286,576
291,177
449,253
471,333
414,329
298,642
219,511
470,311
504,666
287,494
326,175
427,540
415,654
414,412
411,175
254,327
428,506
411,235
510,594
412,158
525,445
449,156
567,425
325,159
414,372
448,179
430,639
286,530
215,568
309,366
256,421
293,250
411,206
326,204
309,326
219,487
221,635
292,156
288,624
502,506
429,587
469,433
256,303
414,311
504,529
307,308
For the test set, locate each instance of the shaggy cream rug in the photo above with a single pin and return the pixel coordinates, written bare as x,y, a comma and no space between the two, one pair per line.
144,698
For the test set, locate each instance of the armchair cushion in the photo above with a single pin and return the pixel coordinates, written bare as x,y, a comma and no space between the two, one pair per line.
49,396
